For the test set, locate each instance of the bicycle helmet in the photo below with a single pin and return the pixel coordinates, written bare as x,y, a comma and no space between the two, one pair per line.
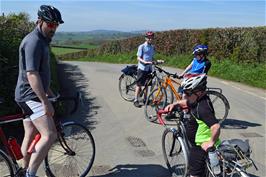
200,49
194,84
50,14
149,34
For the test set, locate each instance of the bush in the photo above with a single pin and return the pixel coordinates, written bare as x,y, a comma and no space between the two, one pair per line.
242,45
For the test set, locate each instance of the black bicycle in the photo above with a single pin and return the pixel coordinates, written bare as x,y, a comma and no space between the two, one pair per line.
234,155
128,81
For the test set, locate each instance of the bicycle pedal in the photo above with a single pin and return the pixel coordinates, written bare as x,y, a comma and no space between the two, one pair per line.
21,172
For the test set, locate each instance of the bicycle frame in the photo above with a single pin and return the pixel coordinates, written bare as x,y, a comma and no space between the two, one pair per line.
3,138
62,141
169,82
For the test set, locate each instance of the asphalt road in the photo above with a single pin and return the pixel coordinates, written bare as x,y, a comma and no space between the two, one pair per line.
127,145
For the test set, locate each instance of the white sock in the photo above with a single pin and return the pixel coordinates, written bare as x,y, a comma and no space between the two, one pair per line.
30,173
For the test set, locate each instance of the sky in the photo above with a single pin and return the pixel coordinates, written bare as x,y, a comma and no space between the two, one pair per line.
156,15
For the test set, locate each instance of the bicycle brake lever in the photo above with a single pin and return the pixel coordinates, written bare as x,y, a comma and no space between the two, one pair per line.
54,99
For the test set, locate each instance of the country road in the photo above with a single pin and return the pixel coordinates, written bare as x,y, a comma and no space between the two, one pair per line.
129,146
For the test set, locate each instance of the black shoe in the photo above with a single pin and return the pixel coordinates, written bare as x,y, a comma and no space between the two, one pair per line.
136,104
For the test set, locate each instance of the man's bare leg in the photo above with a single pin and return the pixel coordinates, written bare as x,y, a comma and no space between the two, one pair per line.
46,127
30,132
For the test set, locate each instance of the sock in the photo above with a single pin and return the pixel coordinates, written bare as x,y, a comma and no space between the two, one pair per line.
30,173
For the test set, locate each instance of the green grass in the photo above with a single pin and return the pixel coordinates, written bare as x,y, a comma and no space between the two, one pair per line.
250,74
59,51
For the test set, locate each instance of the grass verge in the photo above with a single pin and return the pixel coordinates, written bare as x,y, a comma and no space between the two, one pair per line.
250,74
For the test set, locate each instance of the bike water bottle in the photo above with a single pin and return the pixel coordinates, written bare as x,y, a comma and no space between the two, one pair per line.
33,143
214,161
15,148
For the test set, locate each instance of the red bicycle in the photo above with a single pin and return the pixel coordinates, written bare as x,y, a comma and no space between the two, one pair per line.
72,154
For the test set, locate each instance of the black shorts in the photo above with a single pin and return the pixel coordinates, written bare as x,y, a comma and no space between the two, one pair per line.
142,76
197,161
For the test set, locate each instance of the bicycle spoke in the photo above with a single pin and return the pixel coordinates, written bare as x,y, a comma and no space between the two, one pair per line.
79,155
174,154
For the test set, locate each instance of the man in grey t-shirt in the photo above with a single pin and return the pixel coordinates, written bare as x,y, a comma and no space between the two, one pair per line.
33,88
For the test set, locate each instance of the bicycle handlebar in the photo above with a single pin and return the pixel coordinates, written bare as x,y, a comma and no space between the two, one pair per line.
159,115
54,99
167,73
158,62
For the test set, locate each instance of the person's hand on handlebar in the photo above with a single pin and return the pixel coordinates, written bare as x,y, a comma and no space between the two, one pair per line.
178,76
178,105
169,107
147,62
158,62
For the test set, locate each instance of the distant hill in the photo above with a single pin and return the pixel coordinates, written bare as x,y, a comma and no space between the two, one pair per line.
92,37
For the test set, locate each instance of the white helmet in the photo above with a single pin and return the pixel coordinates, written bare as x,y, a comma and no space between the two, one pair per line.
195,83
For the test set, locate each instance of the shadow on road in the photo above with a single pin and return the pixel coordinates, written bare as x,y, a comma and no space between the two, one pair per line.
71,81
238,124
133,170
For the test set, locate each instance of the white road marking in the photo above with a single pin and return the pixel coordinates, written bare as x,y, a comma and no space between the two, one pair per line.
251,93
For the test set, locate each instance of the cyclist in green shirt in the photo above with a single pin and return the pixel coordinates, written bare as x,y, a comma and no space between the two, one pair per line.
203,129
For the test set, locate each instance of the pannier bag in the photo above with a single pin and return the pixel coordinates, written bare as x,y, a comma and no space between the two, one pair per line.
234,149
130,70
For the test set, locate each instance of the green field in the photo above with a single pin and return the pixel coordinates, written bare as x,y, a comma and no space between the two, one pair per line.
88,46
60,51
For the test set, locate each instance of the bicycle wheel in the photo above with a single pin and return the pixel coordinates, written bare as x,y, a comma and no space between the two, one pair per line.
156,100
220,104
72,154
127,86
175,153
6,168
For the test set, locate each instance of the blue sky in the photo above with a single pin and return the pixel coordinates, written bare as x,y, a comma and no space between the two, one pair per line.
85,15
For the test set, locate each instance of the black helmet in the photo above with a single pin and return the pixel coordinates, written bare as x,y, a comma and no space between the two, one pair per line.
49,14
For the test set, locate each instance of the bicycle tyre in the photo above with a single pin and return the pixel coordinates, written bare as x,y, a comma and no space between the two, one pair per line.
220,104
65,156
156,100
6,165
174,151
127,86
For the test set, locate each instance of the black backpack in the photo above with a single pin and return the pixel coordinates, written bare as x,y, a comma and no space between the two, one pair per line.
234,149
130,70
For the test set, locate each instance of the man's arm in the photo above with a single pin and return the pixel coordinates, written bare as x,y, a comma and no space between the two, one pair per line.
182,103
187,69
143,61
36,85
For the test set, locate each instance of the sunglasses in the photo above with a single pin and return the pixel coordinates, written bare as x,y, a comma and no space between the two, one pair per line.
52,25
188,92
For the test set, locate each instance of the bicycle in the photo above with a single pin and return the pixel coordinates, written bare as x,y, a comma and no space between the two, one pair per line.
233,159
156,100
66,157
159,97
128,81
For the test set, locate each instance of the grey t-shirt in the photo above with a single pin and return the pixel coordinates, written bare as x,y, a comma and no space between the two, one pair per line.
34,55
